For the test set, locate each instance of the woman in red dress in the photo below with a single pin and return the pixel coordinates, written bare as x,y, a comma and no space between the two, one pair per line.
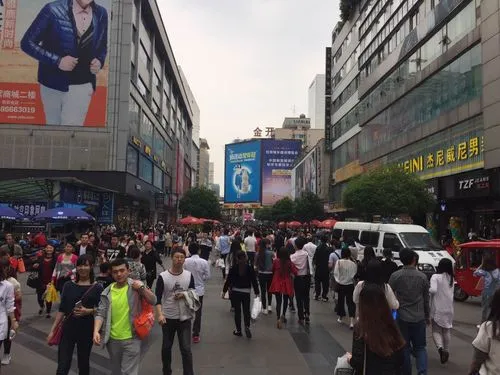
282,284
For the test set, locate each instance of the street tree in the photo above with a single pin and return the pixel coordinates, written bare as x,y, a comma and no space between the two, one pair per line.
388,191
264,214
200,202
283,210
308,207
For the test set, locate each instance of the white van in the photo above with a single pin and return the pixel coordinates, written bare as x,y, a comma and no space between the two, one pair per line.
382,236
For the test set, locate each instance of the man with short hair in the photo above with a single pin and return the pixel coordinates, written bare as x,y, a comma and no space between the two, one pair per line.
115,314
172,288
250,244
85,247
12,247
205,246
321,272
200,270
412,291
302,282
225,245
115,250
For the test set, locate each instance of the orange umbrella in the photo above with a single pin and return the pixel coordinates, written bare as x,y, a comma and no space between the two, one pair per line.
329,223
294,224
281,224
315,222
190,220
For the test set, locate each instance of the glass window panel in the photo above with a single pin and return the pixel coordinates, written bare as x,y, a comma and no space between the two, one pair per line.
145,169
461,24
147,130
158,144
144,56
158,178
132,160
134,116
141,86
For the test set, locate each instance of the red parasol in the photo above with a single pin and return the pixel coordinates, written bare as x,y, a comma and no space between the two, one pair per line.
315,223
294,224
190,220
281,224
329,223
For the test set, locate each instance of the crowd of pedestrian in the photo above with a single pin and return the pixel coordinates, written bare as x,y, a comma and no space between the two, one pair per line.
111,293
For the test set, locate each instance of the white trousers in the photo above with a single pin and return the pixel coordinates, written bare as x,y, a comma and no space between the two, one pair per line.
66,108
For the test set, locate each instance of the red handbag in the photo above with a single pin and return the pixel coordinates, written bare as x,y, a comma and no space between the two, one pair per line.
58,330
144,321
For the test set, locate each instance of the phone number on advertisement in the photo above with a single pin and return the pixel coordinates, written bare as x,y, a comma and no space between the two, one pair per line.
14,109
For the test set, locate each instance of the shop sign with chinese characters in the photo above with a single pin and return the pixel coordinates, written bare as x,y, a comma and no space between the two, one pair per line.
269,132
445,158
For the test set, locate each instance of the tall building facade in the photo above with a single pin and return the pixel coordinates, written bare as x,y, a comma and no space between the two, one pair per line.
415,83
316,102
204,163
129,162
211,172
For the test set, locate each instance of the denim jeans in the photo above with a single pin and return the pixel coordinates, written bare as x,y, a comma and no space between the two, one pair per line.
265,280
183,330
414,335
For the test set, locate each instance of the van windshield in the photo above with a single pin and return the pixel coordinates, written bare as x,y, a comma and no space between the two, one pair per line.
421,241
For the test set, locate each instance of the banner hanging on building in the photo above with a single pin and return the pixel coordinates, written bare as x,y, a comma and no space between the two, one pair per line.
54,62
242,182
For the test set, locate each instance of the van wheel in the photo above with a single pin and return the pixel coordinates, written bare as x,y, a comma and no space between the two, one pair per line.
459,295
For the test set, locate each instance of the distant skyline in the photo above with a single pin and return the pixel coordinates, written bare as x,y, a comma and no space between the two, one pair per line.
249,63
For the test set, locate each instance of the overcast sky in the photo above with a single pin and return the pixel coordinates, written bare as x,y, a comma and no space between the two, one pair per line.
248,62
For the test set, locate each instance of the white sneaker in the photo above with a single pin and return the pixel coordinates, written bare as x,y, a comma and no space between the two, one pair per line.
6,359
264,311
270,308
339,320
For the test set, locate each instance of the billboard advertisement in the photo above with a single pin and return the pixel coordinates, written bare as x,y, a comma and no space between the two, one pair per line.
305,176
54,62
278,157
242,182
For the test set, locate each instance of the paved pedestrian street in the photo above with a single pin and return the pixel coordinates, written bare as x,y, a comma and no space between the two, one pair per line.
294,350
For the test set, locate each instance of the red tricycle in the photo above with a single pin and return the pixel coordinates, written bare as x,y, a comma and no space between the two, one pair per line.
468,260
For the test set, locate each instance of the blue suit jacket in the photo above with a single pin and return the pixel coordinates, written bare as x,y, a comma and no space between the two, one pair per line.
52,35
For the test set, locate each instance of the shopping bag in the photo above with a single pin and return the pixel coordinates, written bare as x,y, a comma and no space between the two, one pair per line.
51,294
256,308
220,263
20,266
144,321
343,367
33,280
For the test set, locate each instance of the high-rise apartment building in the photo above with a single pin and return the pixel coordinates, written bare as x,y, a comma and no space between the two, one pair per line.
316,102
112,137
211,172
415,83
204,163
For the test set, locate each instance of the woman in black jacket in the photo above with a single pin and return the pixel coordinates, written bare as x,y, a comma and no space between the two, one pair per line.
240,280
376,336
150,258
44,265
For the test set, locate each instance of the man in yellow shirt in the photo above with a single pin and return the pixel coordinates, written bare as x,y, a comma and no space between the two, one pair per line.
114,316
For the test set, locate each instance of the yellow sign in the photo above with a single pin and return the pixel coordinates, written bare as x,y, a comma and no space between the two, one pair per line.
136,141
241,205
147,150
458,157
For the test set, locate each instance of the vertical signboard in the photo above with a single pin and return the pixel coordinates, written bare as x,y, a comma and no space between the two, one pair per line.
278,157
242,172
54,62
305,176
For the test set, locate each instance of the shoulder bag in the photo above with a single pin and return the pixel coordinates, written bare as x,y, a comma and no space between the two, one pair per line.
58,330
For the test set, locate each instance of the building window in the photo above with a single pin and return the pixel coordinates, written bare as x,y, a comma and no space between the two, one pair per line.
144,57
147,130
158,178
143,89
134,116
158,144
164,122
145,169
132,160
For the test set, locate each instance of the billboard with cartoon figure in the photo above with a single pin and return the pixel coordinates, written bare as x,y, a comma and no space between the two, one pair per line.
242,182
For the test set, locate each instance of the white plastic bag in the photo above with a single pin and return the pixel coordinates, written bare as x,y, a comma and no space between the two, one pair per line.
220,263
256,308
343,367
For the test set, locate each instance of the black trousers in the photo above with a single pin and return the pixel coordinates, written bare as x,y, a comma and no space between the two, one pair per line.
205,253
183,331
321,281
150,279
41,301
241,300
224,256
302,286
281,301
197,319
345,296
265,280
76,332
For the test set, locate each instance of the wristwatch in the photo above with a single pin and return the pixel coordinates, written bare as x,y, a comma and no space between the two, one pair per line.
142,287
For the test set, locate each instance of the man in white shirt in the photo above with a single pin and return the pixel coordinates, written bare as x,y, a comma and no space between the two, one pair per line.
302,282
250,244
200,270
310,247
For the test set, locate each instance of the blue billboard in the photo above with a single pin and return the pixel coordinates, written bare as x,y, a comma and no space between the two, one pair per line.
242,183
278,158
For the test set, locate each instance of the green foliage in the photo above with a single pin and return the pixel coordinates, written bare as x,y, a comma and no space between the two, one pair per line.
200,202
308,207
264,214
388,191
284,210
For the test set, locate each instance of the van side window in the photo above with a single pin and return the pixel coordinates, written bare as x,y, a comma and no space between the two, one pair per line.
391,240
369,238
337,233
349,233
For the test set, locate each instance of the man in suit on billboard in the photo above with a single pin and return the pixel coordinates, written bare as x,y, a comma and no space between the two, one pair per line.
69,39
